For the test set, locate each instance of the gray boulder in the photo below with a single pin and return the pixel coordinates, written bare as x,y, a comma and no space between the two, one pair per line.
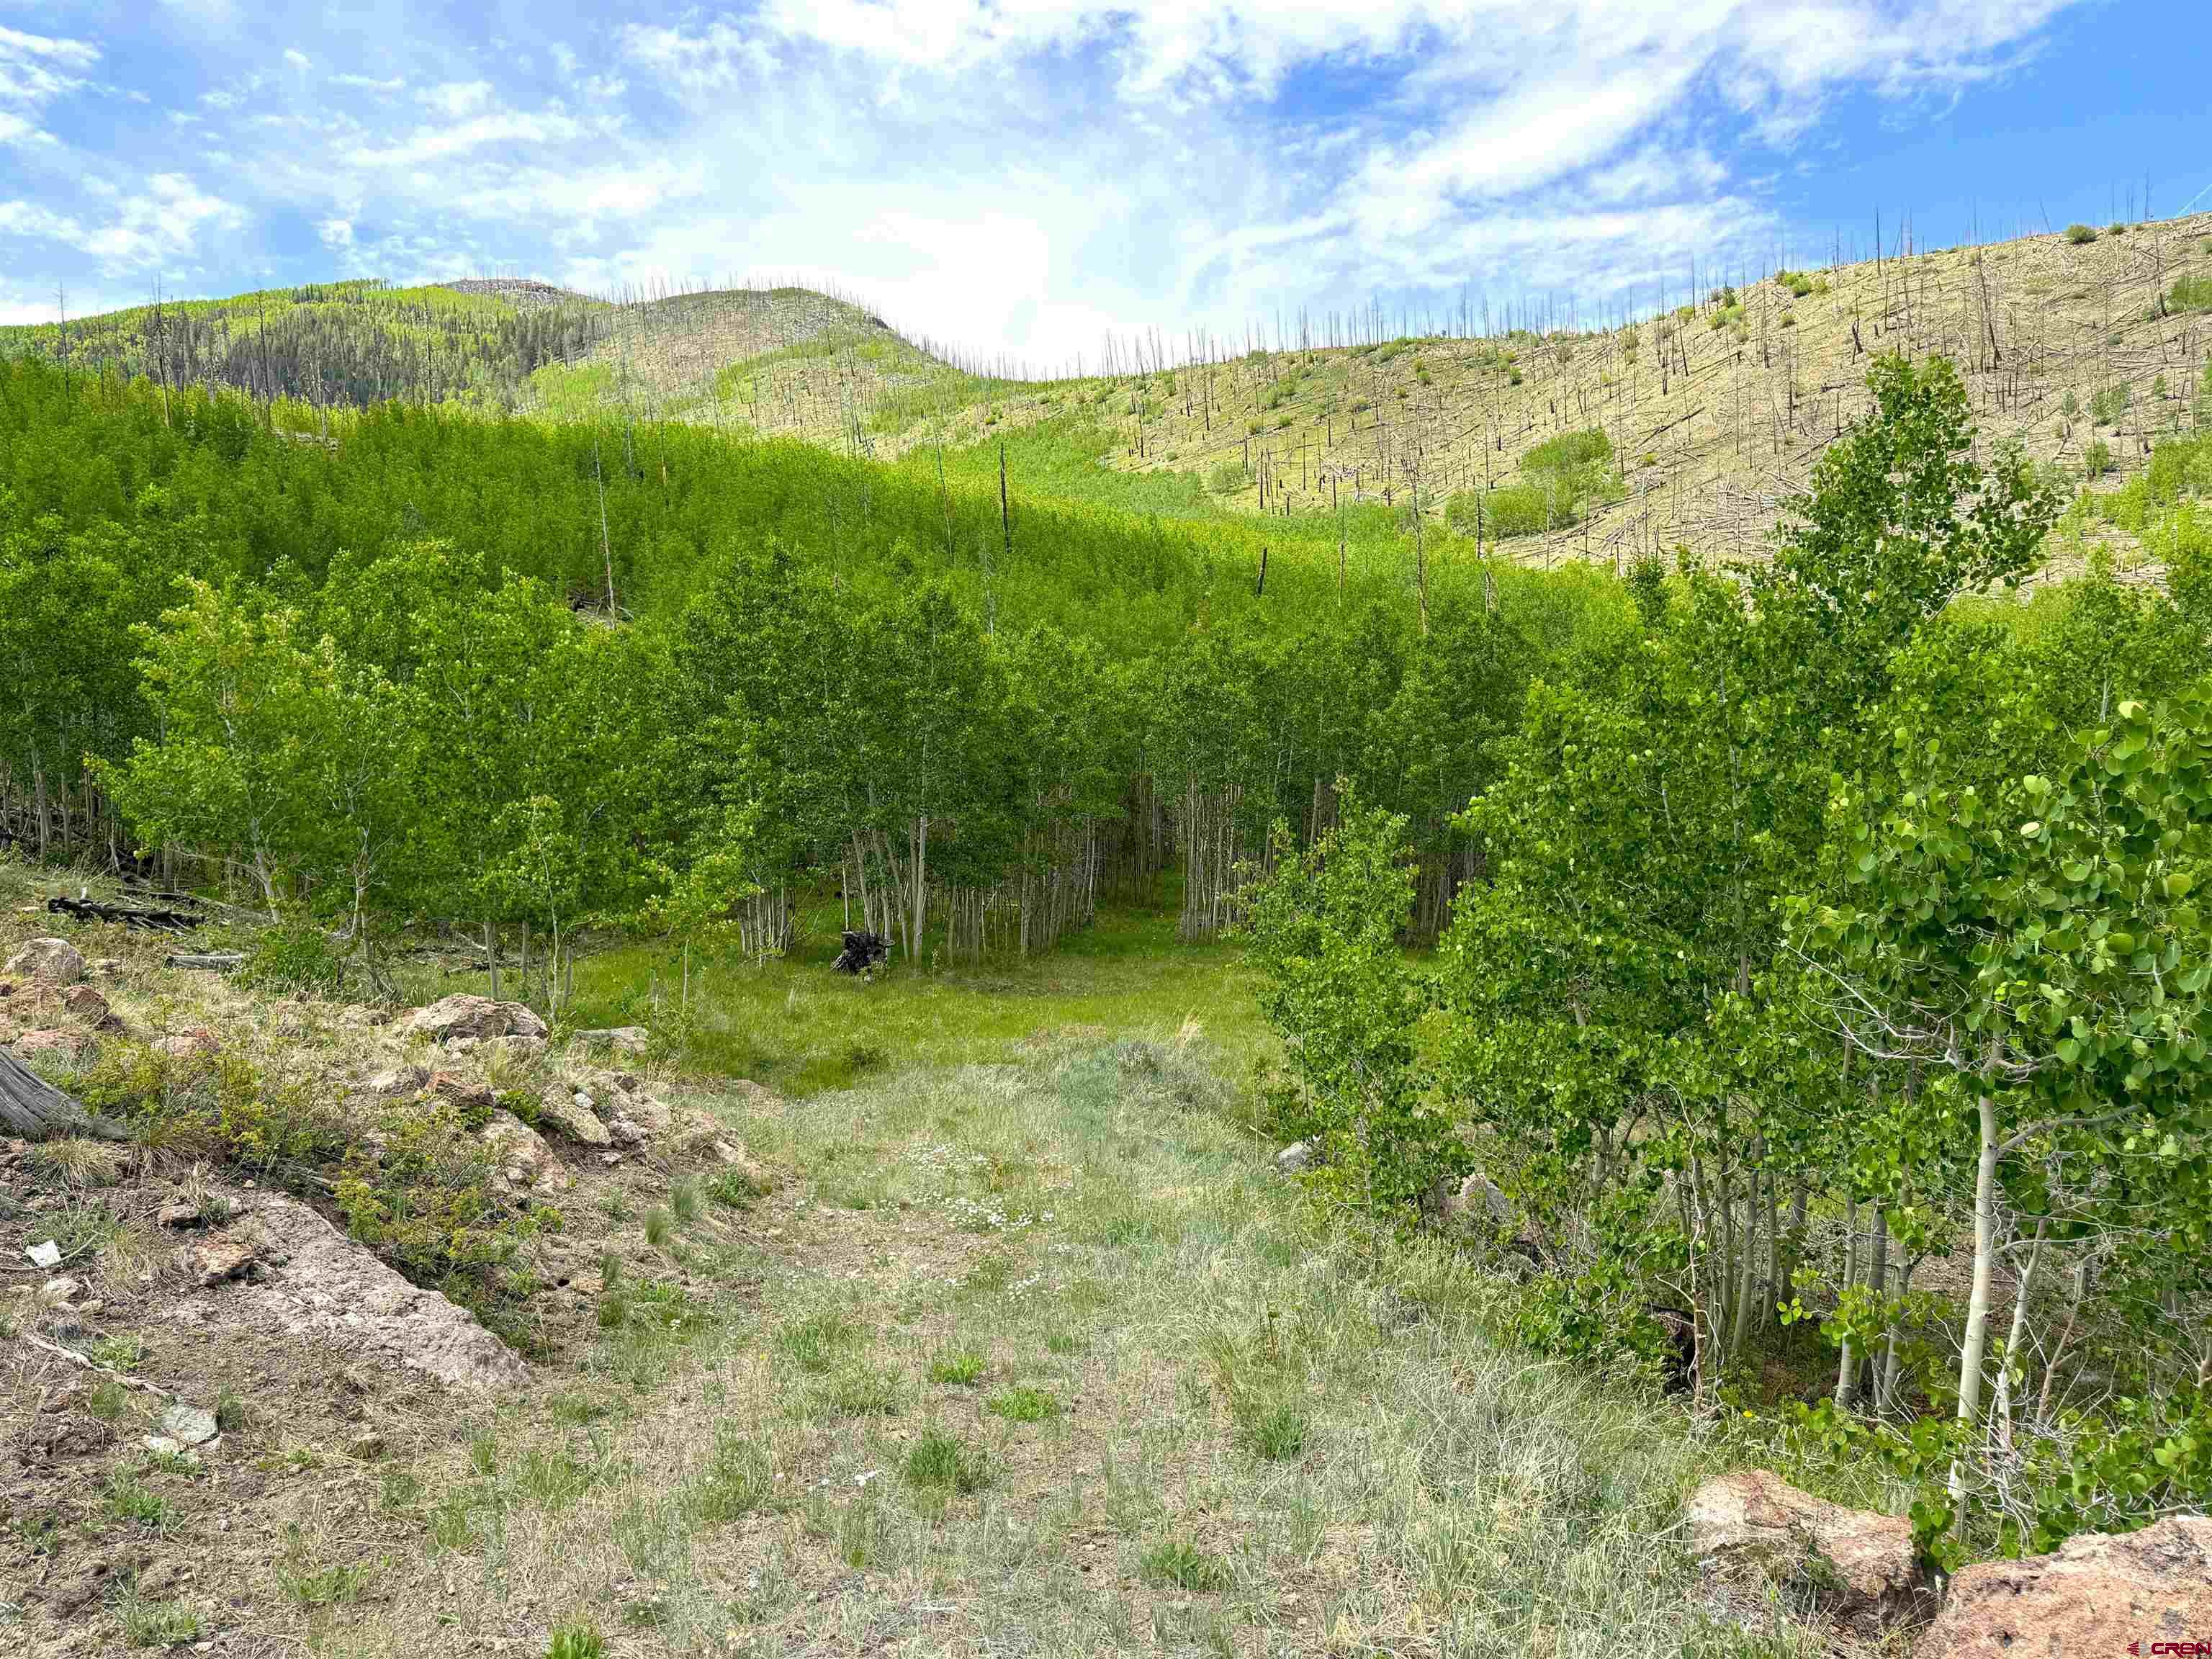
49,961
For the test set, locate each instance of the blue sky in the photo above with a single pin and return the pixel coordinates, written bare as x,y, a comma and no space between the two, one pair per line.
1021,177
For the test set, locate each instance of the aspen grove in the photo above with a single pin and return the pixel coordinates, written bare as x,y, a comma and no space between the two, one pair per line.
1805,952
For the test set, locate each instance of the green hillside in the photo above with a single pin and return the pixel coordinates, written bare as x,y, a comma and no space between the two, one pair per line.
1778,980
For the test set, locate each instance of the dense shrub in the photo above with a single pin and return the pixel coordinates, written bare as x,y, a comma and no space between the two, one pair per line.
428,1204
2193,291
1842,922
220,1107
297,956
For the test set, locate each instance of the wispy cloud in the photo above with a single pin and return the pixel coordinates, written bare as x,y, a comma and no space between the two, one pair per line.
160,222
1019,175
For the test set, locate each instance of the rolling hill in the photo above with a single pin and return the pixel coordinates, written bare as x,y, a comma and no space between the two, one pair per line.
1686,429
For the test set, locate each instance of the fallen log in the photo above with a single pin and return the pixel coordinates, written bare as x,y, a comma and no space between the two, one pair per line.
33,1108
221,961
140,917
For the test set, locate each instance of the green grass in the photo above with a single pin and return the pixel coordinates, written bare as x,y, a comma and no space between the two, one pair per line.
791,1024
336,1585
817,1343
684,1200
937,1462
554,1478
120,1352
861,1388
129,1501
580,1640
1024,1404
1267,1421
147,1623
959,1367
1178,1562
738,1478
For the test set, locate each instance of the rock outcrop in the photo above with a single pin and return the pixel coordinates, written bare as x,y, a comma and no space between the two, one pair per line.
465,1016
525,1162
621,1039
2100,1593
569,1113
1861,1568
89,1006
1475,1200
197,1043
314,1281
397,1082
51,1041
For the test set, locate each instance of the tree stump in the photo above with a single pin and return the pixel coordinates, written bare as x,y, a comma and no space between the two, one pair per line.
33,1108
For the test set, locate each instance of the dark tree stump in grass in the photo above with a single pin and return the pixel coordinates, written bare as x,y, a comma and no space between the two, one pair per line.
862,952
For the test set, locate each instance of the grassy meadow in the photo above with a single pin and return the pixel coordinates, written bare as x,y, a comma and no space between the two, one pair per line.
800,1028
1032,1351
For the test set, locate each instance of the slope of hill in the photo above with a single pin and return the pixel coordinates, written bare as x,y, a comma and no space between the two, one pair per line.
1711,414
335,343
2083,351
1684,429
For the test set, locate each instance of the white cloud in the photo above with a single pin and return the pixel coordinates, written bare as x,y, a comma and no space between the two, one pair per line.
21,218
36,70
160,221
1025,175
455,99
502,127
17,129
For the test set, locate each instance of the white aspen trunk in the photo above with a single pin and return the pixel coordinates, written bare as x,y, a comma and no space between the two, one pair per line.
2012,1338
1976,1342
1892,1357
1847,1368
1878,1265
2065,1336
920,881
1773,1248
861,877
1747,1264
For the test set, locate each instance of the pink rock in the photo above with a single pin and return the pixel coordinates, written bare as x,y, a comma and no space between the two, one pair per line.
1753,1524
2101,1593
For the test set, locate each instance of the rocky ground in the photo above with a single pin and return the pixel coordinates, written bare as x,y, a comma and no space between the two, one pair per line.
208,1381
